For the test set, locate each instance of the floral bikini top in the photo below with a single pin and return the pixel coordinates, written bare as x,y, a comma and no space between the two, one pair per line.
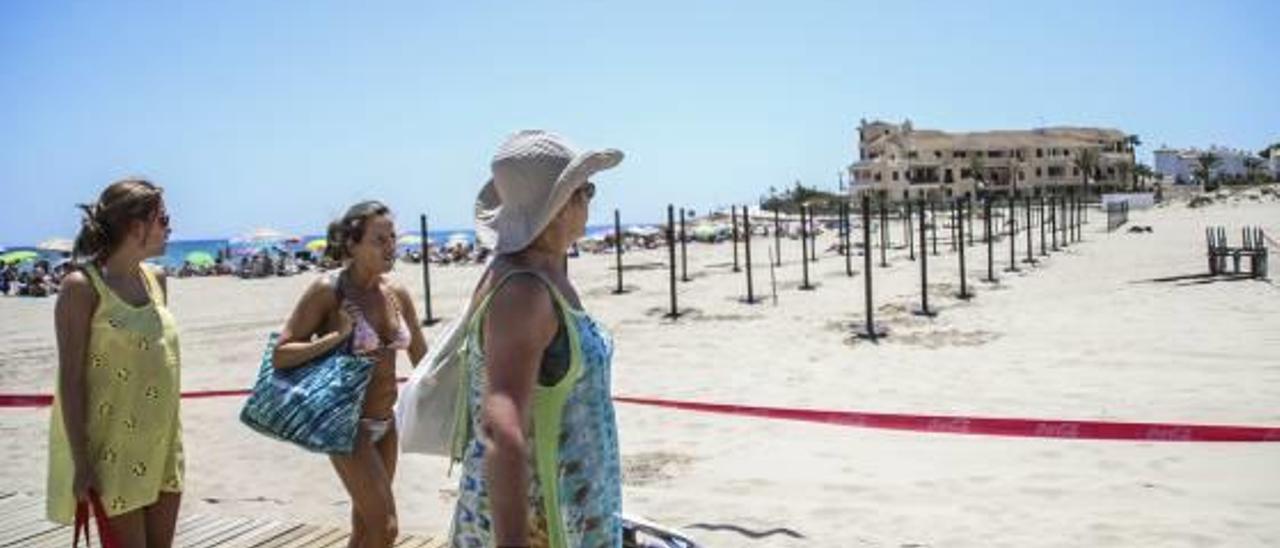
365,338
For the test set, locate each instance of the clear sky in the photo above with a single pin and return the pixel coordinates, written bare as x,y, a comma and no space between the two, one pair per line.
281,114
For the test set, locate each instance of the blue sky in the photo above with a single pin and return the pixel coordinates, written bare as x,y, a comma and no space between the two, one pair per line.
281,114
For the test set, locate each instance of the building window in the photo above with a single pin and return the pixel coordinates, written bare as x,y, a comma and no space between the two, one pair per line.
911,155
1022,175
877,176
895,176
1066,152
947,175
1075,171
1056,171
1039,153
937,154
995,154
1037,173
977,153
957,154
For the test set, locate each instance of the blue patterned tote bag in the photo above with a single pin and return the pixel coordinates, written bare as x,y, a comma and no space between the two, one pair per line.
315,405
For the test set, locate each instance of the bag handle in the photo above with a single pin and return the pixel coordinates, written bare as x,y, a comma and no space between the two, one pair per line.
83,511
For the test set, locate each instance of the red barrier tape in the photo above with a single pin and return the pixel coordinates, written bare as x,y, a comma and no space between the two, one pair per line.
1027,428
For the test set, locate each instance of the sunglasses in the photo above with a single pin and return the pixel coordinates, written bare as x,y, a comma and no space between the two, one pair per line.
163,220
588,190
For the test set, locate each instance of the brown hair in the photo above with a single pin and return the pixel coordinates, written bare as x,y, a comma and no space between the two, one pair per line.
106,221
350,228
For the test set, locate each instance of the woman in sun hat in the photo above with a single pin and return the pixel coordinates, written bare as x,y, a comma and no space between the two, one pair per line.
540,457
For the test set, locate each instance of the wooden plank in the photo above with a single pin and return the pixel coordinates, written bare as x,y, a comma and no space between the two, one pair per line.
60,537
288,538
327,537
20,511
194,528
261,535
23,524
218,529
18,535
236,529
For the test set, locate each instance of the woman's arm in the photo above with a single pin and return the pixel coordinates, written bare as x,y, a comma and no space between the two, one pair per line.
73,317
162,279
297,343
409,315
520,324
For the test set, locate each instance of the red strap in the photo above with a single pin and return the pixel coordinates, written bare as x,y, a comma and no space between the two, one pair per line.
105,538
82,522
83,511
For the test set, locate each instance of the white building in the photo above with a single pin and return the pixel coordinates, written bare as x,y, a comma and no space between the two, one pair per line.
1181,164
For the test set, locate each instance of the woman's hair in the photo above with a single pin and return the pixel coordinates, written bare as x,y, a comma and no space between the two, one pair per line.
106,222
349,230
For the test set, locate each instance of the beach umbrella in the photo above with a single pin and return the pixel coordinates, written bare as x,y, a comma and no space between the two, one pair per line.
200,258
317,245
705,232
262,236
15,257
60,245
641,231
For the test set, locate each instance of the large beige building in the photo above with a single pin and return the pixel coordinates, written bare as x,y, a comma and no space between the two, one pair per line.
897,161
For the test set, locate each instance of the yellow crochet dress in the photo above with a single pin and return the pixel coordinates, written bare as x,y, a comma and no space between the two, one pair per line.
133,427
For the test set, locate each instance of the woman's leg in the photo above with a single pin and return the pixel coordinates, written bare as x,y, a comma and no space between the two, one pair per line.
388,451
365,479
162,520
129,529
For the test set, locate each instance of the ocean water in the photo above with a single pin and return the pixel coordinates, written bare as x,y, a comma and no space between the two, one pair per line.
178,250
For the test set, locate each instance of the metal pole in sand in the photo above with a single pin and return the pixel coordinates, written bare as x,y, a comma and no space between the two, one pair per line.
428,320
804,245
964,290
746,229
671,254
1031,248
869,332
733,213
684,251
991,246
1013,239
617,248
924,272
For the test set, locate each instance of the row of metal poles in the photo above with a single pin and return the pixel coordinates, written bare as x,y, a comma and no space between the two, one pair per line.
1059,220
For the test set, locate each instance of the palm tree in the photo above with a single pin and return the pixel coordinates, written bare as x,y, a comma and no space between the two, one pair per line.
1204,170
1086,161
1125,169
1133,141
1143,172
1253,167
1015,166
976,167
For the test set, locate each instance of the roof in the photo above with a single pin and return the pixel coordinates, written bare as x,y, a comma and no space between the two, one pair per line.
1002,139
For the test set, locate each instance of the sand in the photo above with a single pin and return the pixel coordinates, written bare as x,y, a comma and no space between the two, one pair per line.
1088,333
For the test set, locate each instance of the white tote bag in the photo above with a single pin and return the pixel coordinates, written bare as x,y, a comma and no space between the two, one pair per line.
428,407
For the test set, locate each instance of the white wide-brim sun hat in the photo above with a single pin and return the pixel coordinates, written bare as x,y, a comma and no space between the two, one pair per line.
534,174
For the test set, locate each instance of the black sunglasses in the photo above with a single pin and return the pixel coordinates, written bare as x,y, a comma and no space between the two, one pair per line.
588,190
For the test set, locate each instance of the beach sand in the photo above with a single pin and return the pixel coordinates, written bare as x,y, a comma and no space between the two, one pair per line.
1086,334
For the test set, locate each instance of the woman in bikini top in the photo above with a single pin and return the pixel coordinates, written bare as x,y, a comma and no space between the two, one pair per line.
363,303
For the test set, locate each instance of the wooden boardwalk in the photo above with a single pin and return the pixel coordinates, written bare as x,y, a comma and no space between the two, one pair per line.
22,524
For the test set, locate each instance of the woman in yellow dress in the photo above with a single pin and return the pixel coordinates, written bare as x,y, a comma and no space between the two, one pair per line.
115,428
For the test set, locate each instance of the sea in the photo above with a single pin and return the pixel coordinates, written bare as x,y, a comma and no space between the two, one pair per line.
178,250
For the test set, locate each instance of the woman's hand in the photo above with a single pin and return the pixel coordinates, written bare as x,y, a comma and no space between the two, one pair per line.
346,322
86,480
